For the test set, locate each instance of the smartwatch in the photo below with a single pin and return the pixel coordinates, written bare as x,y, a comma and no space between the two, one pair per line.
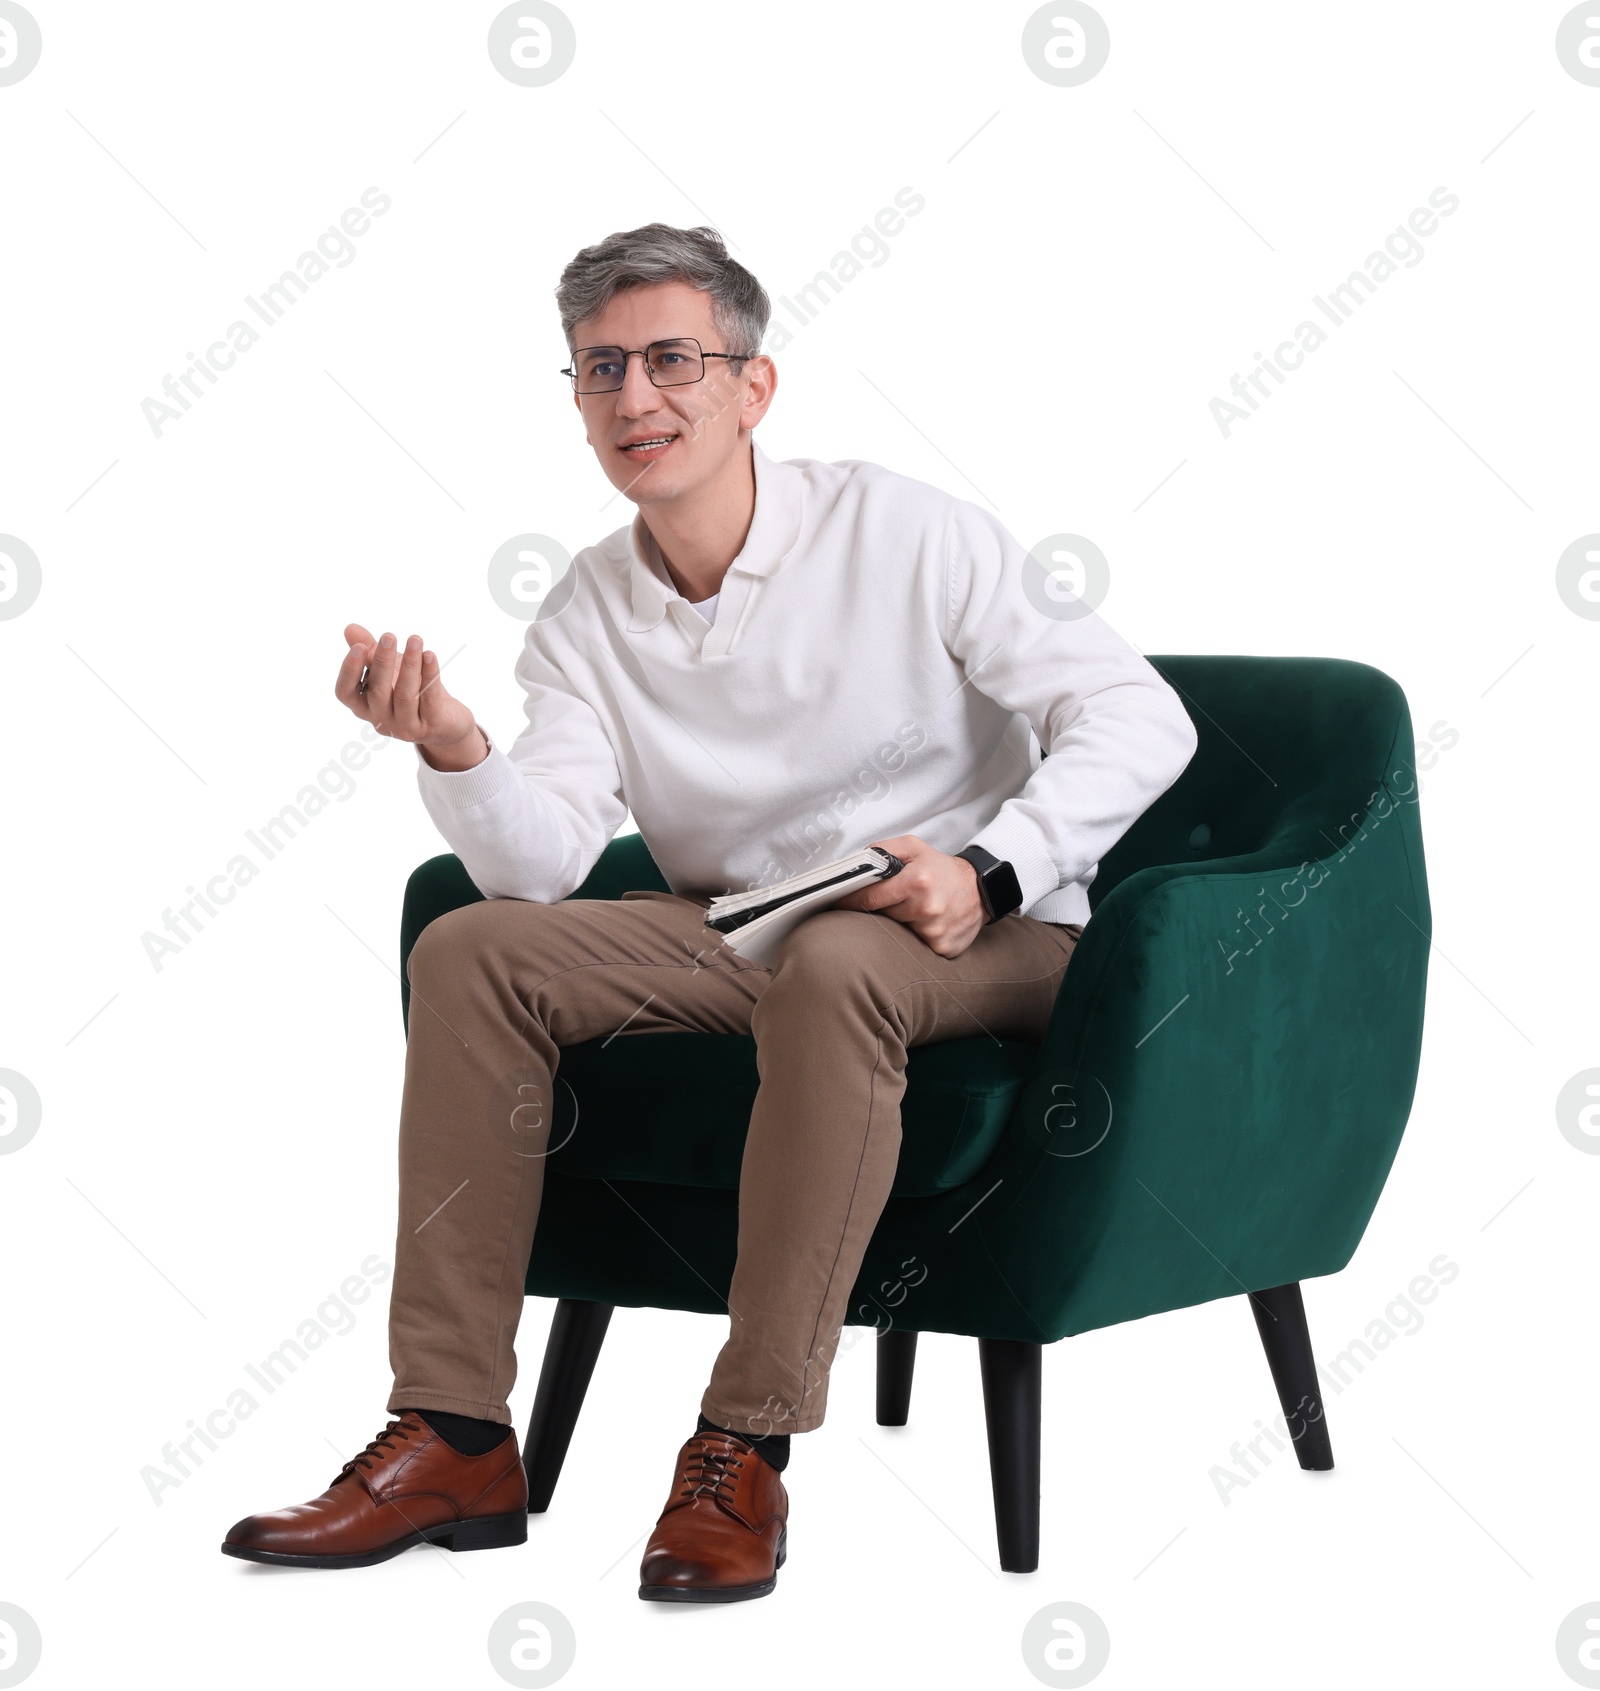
997,882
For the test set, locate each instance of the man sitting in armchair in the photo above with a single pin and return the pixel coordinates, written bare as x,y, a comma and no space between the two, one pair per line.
775,663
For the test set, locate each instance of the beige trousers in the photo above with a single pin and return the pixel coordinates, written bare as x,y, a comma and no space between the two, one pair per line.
500,986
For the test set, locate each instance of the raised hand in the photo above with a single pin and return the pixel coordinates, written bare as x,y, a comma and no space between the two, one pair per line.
404,699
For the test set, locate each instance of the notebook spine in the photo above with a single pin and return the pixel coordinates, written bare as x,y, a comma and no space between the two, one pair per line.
732,921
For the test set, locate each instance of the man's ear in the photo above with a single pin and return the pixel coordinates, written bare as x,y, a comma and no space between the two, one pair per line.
763,386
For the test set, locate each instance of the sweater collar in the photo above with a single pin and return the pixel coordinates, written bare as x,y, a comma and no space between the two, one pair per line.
774,528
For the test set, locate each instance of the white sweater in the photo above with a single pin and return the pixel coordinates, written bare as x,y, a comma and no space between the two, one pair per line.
884,660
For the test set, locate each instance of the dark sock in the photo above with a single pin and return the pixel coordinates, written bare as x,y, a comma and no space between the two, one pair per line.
464,1435
773,1448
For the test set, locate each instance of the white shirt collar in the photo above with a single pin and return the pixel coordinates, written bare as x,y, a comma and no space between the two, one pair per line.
774,528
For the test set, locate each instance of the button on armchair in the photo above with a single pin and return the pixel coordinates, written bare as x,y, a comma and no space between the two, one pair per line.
1212,1113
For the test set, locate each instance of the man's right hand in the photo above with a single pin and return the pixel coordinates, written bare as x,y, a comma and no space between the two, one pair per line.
404,699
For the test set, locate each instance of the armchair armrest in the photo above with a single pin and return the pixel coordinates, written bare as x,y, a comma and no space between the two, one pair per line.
1225,1079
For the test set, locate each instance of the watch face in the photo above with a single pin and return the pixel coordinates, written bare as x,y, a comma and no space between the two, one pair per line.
1005,893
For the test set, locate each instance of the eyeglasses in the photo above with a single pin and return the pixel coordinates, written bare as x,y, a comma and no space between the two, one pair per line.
669,363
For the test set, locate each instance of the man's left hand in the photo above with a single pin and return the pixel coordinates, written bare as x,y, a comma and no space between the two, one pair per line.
935,895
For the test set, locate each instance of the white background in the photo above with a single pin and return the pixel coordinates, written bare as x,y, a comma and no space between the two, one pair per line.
217,1150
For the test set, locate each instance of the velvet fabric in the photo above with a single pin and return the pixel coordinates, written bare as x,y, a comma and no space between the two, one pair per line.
1214,1108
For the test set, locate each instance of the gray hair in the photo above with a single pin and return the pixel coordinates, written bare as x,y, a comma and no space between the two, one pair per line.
658,252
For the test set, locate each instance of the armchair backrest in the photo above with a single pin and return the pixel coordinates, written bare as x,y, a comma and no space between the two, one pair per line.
624,866
1290,752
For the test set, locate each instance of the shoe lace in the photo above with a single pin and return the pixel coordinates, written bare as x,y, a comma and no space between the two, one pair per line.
383,1446
707,1468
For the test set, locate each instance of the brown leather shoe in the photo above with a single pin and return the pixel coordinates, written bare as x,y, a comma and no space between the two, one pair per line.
724,1532
407,1487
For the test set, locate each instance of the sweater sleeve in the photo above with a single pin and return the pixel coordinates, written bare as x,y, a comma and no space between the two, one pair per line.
1117,734
531,823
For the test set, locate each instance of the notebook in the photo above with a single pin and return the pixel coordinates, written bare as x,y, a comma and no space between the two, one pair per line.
755,923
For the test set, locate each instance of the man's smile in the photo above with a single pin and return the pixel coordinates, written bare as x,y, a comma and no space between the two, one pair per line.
648,446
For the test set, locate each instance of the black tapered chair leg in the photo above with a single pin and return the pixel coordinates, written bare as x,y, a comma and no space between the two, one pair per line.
897,1360
1013,1372
576,1334
1280,1314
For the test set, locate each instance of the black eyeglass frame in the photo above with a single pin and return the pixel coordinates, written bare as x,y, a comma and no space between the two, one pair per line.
571,370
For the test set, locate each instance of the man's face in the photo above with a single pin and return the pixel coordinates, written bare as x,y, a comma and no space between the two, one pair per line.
700,420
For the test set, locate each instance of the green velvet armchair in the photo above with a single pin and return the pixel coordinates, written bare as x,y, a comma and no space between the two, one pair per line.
1213,1111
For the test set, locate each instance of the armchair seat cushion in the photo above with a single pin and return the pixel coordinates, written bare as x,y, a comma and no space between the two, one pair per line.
674,1108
